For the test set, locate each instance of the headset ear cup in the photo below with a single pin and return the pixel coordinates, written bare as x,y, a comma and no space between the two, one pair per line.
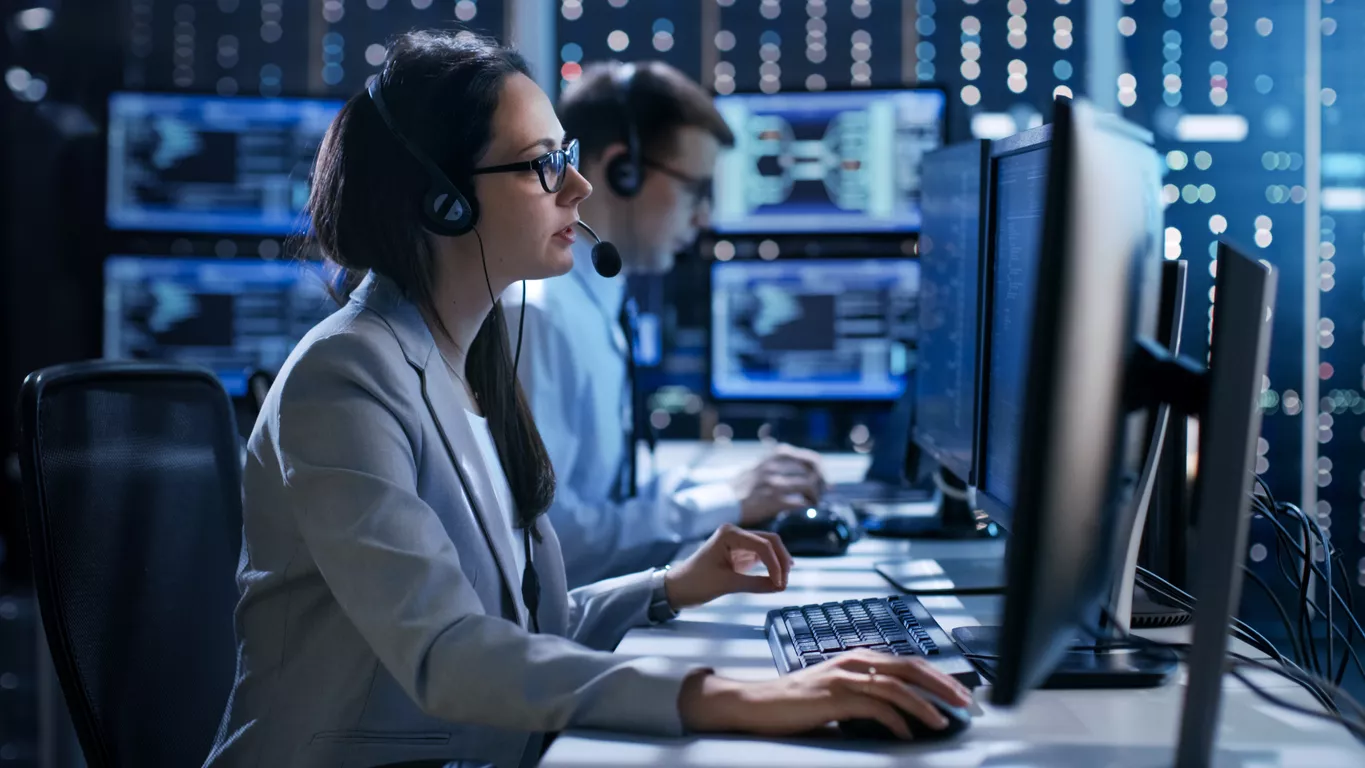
446,211
623,176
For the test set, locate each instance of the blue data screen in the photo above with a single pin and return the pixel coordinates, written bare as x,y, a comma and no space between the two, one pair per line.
1021,188
188,163
232,316
813,329
825,162
950,269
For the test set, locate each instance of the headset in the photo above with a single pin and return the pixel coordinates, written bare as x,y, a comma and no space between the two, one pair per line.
625,173
445,210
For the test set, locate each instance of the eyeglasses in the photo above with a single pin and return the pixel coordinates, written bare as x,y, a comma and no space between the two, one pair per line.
699,189
552,167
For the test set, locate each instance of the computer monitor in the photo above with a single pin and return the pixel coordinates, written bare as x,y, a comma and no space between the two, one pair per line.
1094,363
955,193
1074,484
232,316
825,162
193,163
813,329
1019,177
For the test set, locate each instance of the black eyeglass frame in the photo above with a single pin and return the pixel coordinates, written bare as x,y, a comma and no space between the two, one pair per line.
539,164
699,189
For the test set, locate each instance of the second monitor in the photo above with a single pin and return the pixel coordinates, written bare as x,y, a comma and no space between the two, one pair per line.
827,162
806,329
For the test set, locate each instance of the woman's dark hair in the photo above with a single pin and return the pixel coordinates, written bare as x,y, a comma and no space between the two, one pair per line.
442,89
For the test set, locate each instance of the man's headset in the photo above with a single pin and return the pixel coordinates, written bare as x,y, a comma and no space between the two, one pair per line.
625,173
448,211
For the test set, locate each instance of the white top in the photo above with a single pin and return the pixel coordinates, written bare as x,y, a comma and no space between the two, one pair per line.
484,437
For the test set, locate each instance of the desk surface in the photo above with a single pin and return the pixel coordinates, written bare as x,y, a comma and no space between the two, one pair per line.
1049,729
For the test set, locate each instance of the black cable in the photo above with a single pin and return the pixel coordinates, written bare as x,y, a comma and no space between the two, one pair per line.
1302,678
1305,623
1334,593
1279,608
1356,729
1312,524
1307,681
1349,655
530,578
1185,600
1302,633
1351,607
1309,529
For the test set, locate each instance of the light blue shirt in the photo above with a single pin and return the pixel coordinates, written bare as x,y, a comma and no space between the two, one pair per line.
573,370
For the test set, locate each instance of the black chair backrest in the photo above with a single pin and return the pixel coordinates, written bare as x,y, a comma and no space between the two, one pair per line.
132,488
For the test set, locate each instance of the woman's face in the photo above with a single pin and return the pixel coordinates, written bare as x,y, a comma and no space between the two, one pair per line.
526,231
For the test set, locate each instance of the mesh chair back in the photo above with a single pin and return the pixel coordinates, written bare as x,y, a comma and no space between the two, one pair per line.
132,482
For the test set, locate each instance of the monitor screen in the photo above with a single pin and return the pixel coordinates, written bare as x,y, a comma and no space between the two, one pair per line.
825,162
950,267
813,329
190,163
1020,191
230,316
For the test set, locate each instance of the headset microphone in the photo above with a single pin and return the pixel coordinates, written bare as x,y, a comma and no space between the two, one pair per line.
605,258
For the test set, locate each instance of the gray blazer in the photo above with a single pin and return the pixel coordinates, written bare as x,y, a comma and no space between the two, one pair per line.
377,621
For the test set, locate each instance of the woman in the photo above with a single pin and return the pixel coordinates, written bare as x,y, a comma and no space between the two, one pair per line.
402,596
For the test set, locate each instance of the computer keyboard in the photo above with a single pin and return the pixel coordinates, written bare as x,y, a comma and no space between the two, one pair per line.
801,636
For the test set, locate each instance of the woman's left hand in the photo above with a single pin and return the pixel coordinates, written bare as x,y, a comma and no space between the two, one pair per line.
721,567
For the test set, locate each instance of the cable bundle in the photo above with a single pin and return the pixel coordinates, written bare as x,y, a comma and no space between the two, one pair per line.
1305,666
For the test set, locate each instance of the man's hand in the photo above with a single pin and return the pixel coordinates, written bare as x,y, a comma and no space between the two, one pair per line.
788,479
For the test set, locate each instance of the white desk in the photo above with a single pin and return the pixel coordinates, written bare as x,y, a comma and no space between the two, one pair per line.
1050,729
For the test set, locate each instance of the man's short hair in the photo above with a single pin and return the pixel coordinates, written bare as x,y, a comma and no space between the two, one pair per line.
660,99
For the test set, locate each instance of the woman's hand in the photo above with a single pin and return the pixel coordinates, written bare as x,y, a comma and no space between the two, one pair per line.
721,567
858,685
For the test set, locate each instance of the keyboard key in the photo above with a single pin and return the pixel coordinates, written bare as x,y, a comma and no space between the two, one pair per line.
811,659
828,644
798,625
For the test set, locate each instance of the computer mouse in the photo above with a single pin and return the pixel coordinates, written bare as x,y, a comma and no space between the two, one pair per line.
959,718
817,531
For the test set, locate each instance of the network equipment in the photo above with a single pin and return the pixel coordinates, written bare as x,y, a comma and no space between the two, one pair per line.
801,330
194,163
827,162
234,317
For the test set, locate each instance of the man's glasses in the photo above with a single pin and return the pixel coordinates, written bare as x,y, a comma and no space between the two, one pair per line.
552,167
699,189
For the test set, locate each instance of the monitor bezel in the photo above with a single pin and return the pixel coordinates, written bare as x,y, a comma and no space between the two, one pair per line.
943,121
1024,141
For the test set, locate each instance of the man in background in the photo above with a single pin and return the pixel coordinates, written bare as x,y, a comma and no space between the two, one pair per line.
649,138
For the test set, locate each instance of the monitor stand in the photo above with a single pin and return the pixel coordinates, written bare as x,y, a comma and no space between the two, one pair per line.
1095,666
954,520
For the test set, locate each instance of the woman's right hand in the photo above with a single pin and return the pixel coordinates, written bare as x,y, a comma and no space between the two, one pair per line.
840,689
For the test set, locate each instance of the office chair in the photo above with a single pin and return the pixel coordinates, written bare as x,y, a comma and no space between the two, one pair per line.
132,491
132,500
